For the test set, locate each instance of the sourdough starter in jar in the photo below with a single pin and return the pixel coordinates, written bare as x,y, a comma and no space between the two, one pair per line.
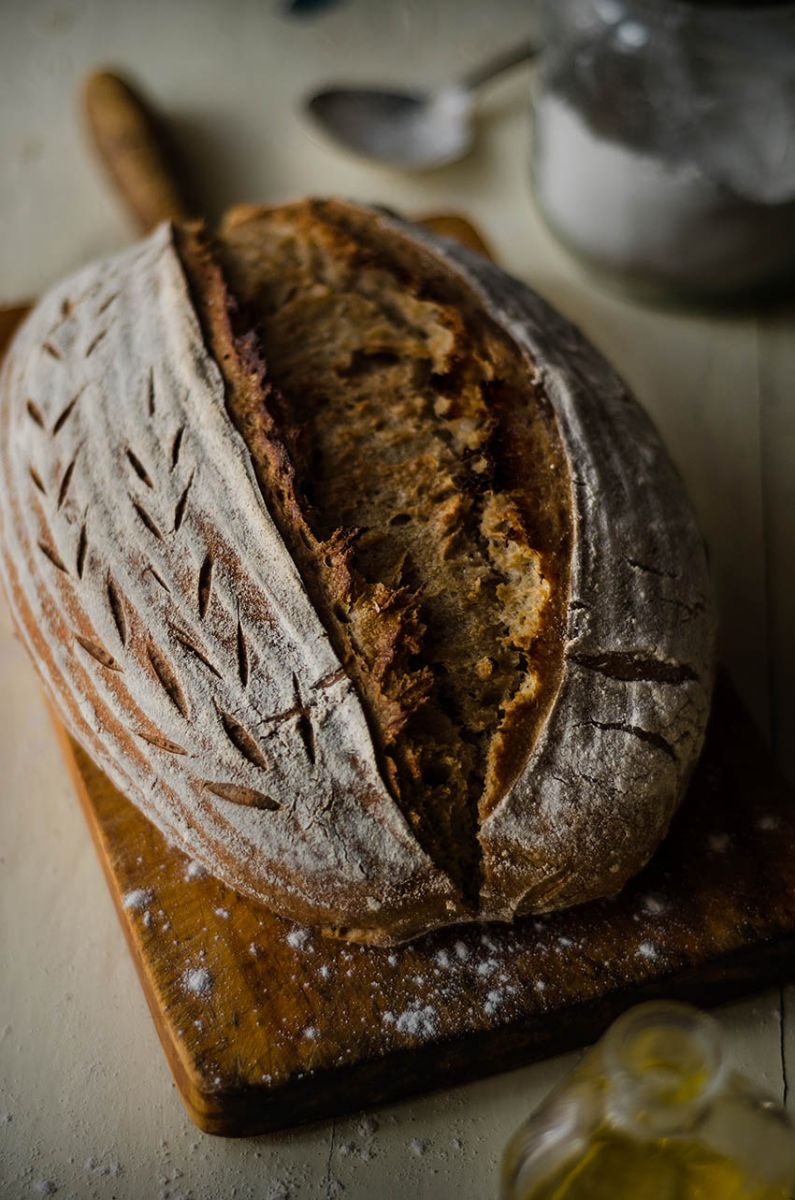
664,145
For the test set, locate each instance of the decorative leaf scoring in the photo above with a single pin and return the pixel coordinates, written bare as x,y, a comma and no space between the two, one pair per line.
52,350
205,585
146,520
150,392
304,723
82,548
64,415
98,653
242,654
157,578
243,741
117,610
66,479
176,446
66,308
242,795
105,305
179,511
188,644
53,556
37,480
329,680
162,743
167,676
93,345
139,468
34,412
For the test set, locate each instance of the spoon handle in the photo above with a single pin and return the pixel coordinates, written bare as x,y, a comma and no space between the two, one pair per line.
524,52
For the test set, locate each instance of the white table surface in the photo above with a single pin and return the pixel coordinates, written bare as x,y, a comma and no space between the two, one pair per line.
86,1099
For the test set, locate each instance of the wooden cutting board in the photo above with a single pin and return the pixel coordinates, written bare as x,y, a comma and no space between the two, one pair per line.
267,1024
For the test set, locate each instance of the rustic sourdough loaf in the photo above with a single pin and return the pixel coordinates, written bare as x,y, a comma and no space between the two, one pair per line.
356,569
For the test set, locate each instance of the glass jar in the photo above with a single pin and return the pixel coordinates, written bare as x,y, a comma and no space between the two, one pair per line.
653,1113
664,141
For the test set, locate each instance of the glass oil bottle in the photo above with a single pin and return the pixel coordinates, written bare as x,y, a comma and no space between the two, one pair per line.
653,1112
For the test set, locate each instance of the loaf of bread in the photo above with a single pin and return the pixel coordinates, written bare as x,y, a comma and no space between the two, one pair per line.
356,569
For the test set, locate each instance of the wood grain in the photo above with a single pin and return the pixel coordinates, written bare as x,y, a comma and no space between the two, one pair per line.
266,1025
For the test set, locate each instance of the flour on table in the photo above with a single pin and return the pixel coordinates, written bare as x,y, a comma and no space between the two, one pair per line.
95,1166
138,898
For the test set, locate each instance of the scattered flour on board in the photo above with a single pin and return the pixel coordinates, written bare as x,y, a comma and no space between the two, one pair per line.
647,950
312,1033
298,938
493,1001
198,981
194,870
417,1020
138,898
418,1146
45,1187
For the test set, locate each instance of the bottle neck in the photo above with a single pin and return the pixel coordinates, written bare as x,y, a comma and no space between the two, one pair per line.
663,1066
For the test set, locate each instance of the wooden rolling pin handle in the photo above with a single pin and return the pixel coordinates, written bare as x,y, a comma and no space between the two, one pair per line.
134,149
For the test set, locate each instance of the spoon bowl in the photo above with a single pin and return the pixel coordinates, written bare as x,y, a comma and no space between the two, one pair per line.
412,130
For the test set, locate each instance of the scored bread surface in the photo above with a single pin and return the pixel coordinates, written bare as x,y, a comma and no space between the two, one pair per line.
356,569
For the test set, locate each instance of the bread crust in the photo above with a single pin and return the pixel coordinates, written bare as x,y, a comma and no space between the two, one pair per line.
176,638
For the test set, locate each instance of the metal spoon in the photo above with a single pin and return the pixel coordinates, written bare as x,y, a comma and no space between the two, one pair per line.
416,130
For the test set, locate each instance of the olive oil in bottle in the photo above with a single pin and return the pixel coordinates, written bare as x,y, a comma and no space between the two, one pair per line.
654,1113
